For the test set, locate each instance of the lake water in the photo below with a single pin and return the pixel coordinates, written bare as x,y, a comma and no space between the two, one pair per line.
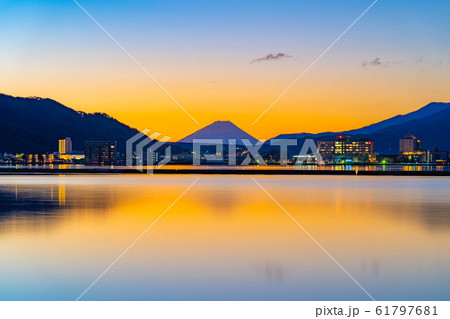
225,239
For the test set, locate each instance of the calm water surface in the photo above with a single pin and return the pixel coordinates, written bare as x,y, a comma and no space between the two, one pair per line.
225,239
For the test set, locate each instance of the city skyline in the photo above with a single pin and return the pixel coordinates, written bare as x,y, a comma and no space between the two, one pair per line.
234,69
30,116
328,149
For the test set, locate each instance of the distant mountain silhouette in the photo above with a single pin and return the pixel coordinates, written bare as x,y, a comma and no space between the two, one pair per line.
34,125
433,130
431,123
421,113
223,130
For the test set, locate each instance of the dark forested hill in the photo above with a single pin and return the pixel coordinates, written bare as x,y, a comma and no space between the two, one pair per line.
34,125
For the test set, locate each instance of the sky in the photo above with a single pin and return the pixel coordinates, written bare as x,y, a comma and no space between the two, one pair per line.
229,60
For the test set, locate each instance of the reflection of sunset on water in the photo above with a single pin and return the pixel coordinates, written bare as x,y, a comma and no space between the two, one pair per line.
224,239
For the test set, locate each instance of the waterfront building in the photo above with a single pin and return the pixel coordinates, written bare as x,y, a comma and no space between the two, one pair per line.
72,156
65,145
48,158
409,144
438,156
415,157
344,149
155,158
411,150
40,158
100,152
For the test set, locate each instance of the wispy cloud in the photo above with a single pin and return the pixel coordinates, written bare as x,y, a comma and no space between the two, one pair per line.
375,62
272,57
378,62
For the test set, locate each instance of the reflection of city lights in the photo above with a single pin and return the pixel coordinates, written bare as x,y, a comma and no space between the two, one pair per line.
62,194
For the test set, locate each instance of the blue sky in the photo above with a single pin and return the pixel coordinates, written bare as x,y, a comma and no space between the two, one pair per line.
52,48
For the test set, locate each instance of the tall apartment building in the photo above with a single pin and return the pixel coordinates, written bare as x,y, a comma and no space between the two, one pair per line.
409,144
100,152
65,145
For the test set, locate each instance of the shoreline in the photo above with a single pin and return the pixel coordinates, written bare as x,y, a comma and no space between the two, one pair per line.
209,171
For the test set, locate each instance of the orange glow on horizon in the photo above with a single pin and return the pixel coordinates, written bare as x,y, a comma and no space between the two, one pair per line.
329,98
